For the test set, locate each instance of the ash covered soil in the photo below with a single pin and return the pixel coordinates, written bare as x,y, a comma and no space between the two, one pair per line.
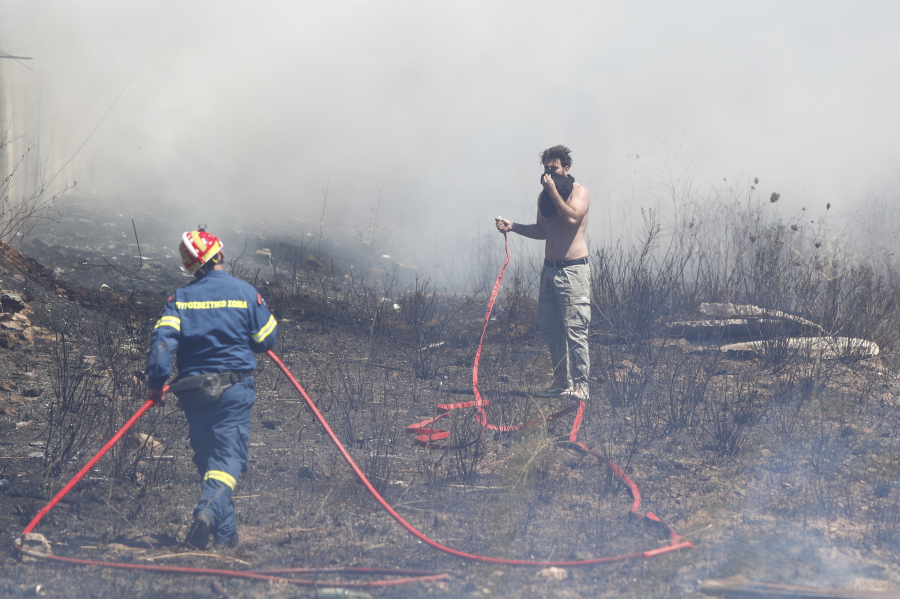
776,470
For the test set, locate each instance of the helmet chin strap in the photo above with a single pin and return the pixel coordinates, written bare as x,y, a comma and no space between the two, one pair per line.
210,264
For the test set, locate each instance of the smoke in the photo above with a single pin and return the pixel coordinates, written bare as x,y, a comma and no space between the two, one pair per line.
425,120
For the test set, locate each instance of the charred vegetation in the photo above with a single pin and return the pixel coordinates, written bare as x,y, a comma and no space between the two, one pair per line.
780,460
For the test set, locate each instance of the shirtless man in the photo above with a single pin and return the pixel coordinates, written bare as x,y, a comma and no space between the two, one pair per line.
564,311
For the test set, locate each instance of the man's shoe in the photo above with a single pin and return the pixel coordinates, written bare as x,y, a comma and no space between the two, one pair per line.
580,392
198,536
554,390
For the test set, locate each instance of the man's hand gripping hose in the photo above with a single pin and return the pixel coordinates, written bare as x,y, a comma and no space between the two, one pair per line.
429,435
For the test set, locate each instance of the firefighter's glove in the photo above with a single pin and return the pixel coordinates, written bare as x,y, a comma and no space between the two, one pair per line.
157,396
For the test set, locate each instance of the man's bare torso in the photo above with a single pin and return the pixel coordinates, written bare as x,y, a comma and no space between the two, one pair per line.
565,241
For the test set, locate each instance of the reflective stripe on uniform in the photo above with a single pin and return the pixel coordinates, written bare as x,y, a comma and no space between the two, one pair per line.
264,332
169,321
221,477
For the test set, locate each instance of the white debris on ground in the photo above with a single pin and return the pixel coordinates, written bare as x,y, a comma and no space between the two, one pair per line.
801,336
36,543
741,321
746,310
136,441
554,573
827,348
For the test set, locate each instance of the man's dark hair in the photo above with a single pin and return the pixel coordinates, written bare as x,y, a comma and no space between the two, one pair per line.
562,152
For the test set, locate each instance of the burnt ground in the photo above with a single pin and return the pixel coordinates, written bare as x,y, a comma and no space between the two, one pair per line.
776,469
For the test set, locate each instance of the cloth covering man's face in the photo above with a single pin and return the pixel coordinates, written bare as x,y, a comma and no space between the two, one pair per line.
561,180
556,166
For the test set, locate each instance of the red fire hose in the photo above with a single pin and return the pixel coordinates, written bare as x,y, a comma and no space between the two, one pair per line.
427,438
260,575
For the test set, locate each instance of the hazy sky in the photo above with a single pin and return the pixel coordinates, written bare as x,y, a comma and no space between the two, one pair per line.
440,109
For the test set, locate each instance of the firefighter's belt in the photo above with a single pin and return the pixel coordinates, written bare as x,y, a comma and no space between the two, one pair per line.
195,391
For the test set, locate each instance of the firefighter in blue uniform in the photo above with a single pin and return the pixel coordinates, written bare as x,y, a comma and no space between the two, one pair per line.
216,323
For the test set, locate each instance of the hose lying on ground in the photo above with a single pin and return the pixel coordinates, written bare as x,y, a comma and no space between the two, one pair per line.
426,437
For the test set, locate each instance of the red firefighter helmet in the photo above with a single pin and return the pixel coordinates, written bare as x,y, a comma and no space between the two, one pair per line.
197,248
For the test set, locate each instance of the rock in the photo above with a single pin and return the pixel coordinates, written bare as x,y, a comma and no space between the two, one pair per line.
11,302
7,385
21,319
554,573
16,399
36,543
32,333
136,441
8,410
8,340
12,325
29,376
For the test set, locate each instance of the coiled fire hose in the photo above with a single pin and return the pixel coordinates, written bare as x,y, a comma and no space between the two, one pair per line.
426,437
